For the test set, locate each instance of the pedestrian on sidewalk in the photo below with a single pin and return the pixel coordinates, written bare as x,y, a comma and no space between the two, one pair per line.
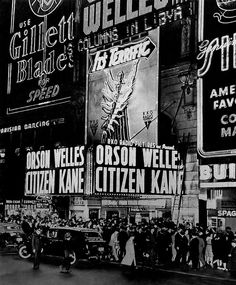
129,258
201,249
208,250
194,250
181,246
37,246
67,247
122,239
232,258
114,244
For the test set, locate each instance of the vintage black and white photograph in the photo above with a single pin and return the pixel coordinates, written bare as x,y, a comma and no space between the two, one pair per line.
117,142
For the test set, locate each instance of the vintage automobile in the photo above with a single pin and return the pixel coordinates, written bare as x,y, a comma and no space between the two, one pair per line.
11,235
86,244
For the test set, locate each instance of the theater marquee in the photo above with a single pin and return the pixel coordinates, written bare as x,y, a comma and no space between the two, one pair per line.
125,170
55,172
217,72
40,63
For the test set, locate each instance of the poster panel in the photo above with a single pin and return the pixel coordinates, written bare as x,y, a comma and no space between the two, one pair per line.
40,61
55,172
216,70
122,93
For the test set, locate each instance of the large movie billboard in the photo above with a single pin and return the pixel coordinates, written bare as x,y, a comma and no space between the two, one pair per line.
40,63
123,92
217,71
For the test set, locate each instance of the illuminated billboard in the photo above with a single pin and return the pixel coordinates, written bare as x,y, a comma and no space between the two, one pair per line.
102,22
55,172
217,71
130,170
40,62
122,93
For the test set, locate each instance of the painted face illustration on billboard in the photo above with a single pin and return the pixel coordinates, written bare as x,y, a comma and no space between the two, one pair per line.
227,13
42,8
116,94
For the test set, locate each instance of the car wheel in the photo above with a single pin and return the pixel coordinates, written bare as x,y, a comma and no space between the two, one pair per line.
23,252
73,258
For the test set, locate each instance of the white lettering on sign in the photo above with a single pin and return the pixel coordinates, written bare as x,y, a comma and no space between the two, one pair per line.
59,171
43,93
226,213
99,14
119,180
10,129
160,158
166,182
218,172
223,45
71,181
37,125
131,170
122,54
38,160
40,182
109,155
34,39
69,157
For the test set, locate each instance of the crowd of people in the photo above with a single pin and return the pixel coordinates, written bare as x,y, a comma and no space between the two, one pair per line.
158,242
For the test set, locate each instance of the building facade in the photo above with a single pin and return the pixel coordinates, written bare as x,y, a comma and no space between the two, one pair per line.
128,79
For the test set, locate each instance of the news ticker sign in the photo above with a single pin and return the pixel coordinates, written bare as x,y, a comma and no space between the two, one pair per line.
40,63
216,72
103,22
218,175
115,169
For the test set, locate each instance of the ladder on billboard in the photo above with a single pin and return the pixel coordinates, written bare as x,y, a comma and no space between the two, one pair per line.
178,198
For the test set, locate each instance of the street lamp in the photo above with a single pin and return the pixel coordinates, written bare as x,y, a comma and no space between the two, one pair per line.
188,81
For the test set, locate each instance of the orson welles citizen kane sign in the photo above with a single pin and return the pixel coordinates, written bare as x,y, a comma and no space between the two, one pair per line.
121,169
40,64
59,171
217,83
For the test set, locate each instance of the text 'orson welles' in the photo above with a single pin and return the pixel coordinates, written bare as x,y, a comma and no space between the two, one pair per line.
59,171
132,170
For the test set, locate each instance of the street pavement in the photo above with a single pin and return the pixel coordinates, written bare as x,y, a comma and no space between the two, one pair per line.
14,270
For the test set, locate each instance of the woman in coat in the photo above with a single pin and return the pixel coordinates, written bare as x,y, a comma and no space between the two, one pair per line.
114,244
208,250
129,258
